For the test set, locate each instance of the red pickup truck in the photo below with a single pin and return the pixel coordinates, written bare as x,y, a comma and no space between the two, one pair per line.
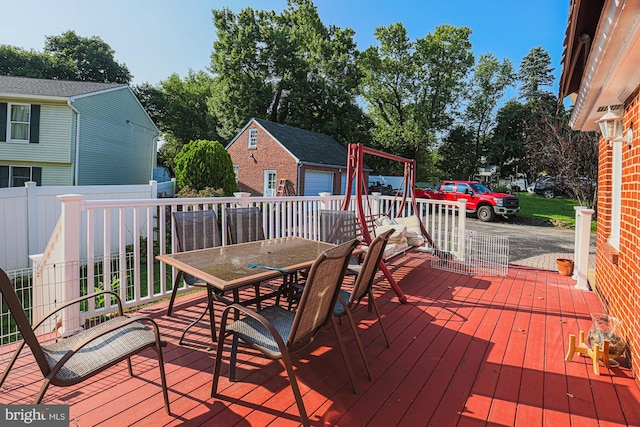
481,200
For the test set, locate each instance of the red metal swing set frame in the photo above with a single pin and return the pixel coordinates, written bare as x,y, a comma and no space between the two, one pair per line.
355,174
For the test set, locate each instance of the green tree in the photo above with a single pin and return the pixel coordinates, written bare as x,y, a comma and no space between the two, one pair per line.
184,112
15,61
92,58
507,149
457,154
535,72
287,68
411,88
180,109
558,150
66,57
202,163
488,83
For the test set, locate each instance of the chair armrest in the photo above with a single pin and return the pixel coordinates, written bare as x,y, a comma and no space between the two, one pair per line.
78,300
254,314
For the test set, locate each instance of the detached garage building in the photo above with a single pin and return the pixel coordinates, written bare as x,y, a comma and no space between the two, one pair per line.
264,152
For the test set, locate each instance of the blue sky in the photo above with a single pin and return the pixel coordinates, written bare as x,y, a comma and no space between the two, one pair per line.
156,38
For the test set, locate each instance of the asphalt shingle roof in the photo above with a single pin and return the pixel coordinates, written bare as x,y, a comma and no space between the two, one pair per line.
308,146
46,87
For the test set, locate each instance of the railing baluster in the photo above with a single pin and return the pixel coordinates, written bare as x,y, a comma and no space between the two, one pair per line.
150,238
106,263
122,255
91,250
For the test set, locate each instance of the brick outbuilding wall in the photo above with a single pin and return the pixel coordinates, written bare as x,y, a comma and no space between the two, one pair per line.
618,272
252,162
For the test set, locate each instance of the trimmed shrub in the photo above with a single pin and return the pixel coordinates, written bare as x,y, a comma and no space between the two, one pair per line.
203,163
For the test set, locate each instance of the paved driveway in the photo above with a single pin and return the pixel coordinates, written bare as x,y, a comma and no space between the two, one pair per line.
532,245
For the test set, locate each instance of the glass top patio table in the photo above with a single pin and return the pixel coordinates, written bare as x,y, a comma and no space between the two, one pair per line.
227,267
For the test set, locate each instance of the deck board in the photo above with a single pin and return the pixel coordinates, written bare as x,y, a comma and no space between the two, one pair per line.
465,351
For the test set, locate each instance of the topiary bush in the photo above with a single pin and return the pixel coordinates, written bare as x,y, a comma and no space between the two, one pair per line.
203,163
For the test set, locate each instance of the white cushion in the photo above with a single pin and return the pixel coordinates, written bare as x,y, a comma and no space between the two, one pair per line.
398,234
412,222
414,232
394,248
415,241
384,220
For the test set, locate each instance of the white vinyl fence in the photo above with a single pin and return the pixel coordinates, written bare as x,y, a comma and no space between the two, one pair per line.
29,214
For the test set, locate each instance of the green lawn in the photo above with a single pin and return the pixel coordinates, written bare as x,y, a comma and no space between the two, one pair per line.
557,211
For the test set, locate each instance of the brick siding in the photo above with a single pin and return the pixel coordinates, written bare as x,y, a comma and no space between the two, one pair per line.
268,155
618,272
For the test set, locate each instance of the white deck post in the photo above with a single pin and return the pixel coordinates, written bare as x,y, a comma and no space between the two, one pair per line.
244,198
153,189
581,248
325,203
69,274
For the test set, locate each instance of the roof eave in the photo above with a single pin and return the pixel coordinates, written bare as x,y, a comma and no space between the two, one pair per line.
610,73
34,97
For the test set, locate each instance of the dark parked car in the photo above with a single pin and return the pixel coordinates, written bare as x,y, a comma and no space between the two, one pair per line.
551,186
378,187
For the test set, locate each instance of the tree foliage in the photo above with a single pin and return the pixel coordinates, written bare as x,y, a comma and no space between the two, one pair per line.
456,154
490,79
15,61
507,149
66,57
558,150
535,72
287,68
202,163
180,107
92,58
411,88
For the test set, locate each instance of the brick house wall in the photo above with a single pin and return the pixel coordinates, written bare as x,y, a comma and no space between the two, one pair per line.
618,272
252,162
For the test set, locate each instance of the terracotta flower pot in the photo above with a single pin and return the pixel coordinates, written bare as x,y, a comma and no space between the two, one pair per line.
565,266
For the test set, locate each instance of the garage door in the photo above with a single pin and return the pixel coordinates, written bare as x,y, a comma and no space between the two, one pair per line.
316,182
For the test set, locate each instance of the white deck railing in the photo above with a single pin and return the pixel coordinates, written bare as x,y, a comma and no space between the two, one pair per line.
110,240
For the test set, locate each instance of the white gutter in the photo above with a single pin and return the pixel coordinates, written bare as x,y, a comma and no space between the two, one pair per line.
33,97
77,159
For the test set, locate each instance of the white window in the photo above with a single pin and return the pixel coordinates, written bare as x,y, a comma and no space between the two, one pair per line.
253,138
269,183
235,172
18,122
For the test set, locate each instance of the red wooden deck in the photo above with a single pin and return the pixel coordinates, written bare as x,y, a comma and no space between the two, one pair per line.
465,351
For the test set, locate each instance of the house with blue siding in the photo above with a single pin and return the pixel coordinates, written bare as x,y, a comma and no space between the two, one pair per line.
57,132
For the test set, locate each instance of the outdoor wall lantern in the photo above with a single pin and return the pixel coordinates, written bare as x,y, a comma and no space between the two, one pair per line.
611,128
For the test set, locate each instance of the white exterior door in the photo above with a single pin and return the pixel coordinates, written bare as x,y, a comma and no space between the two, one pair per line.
316,182
270,183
